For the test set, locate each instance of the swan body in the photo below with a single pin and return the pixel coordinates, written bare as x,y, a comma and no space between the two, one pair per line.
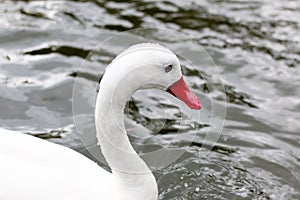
32,168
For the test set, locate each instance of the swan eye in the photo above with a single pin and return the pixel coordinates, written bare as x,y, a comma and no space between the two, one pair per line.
168,68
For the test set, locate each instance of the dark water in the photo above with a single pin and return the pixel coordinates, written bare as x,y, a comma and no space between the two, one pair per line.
255,45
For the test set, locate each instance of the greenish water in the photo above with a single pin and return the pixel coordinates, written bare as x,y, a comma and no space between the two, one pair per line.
255,45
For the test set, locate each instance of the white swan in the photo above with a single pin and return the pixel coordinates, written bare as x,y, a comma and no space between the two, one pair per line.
34,169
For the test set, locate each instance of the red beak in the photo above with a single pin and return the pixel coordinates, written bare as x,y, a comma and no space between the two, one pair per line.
180,90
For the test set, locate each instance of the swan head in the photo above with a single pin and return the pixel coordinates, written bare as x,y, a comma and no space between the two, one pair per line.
150,65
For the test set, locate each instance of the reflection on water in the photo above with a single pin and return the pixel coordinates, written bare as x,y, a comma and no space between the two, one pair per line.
254,43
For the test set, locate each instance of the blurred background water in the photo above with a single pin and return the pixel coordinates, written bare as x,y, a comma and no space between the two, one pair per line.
255,44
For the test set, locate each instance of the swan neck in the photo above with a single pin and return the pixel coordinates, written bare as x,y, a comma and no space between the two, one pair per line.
111,132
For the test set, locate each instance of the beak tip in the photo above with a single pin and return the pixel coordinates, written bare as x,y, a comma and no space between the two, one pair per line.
196,106
199,105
